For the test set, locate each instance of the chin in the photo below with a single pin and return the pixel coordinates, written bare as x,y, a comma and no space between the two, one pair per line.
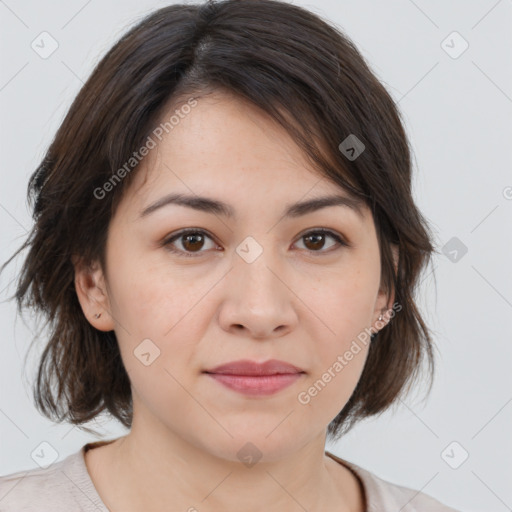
252,445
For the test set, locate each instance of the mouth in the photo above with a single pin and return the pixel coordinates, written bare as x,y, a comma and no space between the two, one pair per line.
253,378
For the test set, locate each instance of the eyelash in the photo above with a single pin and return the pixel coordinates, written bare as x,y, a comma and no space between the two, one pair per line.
167,243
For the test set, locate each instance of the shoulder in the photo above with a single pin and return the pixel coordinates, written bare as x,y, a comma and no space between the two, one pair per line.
60,487
384,495
21,490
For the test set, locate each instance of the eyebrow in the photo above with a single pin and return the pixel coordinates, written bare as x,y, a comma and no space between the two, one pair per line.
216,207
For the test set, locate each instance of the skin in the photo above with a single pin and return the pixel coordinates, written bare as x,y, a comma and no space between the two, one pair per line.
291,303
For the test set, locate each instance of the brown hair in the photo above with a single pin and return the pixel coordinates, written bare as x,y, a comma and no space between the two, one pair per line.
297,68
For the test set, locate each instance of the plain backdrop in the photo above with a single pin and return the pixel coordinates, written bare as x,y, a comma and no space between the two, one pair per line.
455,92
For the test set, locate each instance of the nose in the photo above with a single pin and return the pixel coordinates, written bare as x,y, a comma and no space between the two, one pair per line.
258,302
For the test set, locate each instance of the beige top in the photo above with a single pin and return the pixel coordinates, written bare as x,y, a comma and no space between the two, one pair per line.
65,486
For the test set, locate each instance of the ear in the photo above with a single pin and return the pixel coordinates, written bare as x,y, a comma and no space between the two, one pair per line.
383,305
90,286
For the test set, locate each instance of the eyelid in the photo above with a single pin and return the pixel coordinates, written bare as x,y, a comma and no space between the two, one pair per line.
338,237
169,240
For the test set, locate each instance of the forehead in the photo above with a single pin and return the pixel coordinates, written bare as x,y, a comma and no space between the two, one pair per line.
224,132
228,149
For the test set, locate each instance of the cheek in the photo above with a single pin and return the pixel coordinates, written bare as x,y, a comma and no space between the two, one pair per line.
150,296
160,316
158,349
344,305
339,355
327,392
344,302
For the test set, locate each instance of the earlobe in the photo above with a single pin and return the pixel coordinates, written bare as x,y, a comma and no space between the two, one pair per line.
92,295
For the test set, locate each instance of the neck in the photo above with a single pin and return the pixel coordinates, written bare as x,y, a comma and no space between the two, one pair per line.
149,472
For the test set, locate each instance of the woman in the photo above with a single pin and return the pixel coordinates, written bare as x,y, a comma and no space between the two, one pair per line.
256,132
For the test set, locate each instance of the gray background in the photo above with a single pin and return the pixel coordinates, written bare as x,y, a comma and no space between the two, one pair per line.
458,116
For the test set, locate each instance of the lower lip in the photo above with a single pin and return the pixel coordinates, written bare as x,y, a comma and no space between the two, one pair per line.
256,385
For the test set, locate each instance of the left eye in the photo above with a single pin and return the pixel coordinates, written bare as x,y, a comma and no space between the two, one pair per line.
192,241
317,238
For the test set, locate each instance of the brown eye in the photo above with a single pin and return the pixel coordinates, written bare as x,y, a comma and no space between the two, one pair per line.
315,240
191,241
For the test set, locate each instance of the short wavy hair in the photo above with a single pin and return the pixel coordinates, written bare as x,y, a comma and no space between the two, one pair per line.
296,67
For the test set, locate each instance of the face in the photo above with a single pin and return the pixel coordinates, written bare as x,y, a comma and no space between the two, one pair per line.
254,284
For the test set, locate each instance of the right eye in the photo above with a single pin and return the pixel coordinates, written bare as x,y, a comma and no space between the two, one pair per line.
192,241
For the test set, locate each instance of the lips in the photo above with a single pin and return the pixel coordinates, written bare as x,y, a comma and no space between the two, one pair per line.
253,368
256,379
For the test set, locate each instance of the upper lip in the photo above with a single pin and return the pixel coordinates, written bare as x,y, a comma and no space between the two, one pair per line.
248,367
